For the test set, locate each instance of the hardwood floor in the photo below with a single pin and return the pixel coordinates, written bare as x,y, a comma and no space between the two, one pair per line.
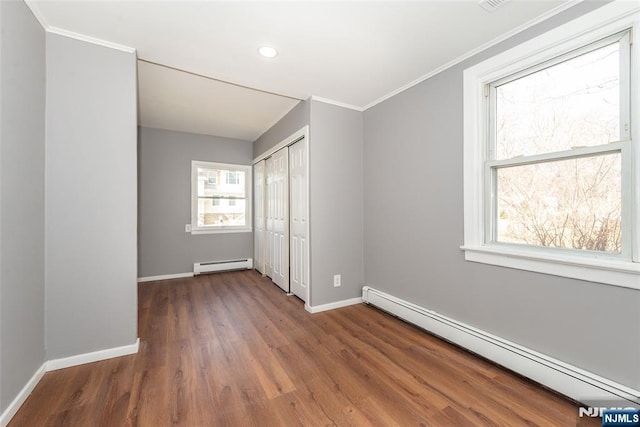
231,349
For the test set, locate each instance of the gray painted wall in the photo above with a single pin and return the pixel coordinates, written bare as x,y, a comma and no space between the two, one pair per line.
165,201
335,218
22,94
293,121
91,204
413,229
335,179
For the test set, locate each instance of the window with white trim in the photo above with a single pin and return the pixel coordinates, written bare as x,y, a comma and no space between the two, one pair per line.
550,164
220,197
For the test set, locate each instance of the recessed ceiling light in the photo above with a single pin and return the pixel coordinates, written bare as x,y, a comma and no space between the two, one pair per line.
268,51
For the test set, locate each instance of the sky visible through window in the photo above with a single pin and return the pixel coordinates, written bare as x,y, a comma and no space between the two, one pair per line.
573,203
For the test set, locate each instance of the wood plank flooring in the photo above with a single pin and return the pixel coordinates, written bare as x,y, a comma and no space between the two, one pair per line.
230,349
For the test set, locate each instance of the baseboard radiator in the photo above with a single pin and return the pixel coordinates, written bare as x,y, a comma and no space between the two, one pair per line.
227,265
574,382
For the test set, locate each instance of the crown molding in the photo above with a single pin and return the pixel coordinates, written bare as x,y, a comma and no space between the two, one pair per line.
336,103
566,5
89,39
37,13
503,37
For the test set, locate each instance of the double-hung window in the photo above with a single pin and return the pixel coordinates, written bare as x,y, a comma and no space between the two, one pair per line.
220,198
551,152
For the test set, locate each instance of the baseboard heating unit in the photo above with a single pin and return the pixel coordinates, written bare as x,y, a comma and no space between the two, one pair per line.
214,266
574,382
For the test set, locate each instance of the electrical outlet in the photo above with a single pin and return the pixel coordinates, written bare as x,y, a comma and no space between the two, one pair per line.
337,280
187,228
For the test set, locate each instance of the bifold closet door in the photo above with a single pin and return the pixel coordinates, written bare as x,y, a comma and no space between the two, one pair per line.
269,210
278,218
299,245
259,235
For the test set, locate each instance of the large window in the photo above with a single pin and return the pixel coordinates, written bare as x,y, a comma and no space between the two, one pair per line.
549,154
555,151
220,197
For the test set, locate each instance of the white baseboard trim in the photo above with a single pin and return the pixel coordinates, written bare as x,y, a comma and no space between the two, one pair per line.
65,362
574,382
13,407
332,305
164,277
95,356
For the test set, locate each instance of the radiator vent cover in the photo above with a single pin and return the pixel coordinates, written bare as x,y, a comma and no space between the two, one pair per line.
213,266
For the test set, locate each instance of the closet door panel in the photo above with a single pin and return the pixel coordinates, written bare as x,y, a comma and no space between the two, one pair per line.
259,232
269,215
299,242
280,201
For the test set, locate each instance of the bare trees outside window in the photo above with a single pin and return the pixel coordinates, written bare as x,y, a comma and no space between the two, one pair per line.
555,161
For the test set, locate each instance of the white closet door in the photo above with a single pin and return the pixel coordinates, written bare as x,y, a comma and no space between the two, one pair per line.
279,199
259,232
299,245
269,215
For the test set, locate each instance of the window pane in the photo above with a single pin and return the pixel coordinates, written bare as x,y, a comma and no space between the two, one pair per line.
210,186
571,104
218,213
233,177
571,204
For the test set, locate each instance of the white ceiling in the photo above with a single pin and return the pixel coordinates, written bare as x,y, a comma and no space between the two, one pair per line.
349,52
176,100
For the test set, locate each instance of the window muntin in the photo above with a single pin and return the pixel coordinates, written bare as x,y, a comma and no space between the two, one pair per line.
557,131
220,205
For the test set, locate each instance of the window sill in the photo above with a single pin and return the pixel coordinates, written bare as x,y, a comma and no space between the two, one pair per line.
221,231
600,270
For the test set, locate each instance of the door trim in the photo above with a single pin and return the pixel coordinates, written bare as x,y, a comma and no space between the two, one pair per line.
292,139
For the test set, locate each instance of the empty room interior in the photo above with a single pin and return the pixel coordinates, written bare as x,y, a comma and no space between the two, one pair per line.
385,213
